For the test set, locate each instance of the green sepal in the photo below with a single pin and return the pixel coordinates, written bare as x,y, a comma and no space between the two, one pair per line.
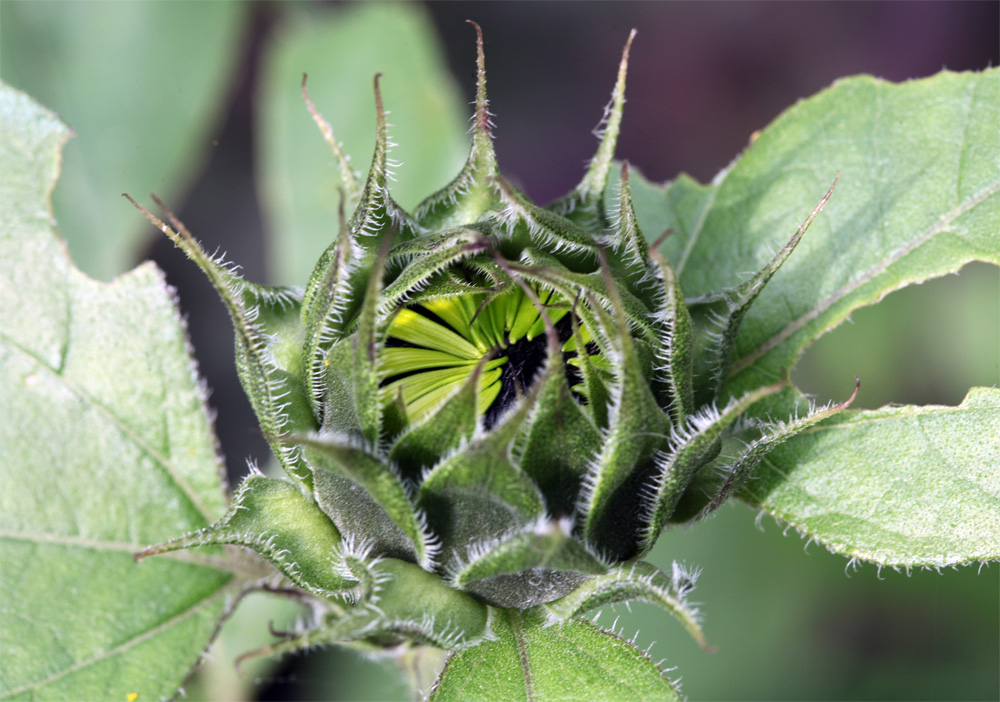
474,191
406,604
452,423
376,212
547,270
594,387
358,515
340,408
636,580
536,565
412,594
329,294
573,661
524,223
478,492
334,291
559,438
273,518
350,186
264,320
737,302
430,256
773,434
279,397
342,372
692,446
365,345
372,504
629,242
637,429
675,360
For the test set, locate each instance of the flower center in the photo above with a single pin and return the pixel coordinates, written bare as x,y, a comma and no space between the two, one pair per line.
434,347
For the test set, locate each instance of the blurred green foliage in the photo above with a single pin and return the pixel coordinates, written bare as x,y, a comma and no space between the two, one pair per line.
145,83
142,84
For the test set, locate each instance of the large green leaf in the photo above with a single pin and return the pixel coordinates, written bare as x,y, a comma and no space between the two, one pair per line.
571,661
106,446
918,196
341,50
142,129
898,486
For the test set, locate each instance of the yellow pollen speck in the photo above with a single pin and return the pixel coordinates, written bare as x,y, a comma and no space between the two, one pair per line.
326,361
132,696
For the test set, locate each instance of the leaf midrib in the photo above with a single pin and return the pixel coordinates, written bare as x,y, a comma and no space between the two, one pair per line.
207,561
522,653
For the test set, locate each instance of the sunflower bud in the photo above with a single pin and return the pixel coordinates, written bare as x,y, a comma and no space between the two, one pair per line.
481,404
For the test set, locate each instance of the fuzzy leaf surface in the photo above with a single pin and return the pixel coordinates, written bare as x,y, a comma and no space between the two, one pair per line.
918,197
932,497
572,661
107,447
143,129
342,50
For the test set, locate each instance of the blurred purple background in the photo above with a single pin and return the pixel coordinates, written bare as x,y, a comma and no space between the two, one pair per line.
702,76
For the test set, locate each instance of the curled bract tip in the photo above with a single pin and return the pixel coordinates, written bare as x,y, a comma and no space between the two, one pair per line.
850,400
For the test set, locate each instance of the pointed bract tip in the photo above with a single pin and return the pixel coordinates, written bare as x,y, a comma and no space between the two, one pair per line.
378,93
479,31
154,220
379,109
480,52
628,44
173,219
847,403
482,118
623,65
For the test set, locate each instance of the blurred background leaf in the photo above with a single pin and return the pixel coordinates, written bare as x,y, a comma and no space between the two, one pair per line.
142,84
703,77
342,51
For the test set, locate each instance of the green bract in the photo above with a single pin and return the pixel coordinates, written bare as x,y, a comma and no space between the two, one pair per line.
483,406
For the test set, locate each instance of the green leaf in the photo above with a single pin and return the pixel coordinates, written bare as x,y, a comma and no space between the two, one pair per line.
142,129
341,50
107,446
571,661
918,197
931,498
